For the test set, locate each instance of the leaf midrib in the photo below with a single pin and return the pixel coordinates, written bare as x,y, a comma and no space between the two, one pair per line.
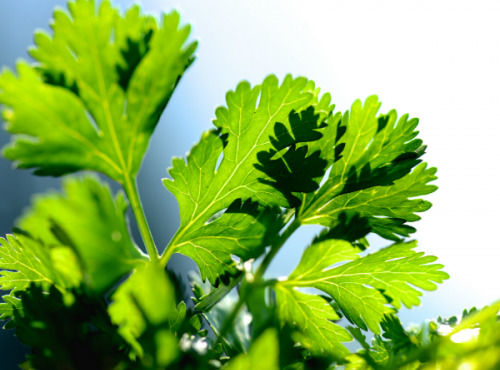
215,199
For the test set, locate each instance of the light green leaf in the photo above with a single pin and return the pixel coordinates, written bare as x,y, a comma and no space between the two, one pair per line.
371,173
263,354
88,219
24,260
314,317
364,287
473,343
147,297
242,230
97,91
261,136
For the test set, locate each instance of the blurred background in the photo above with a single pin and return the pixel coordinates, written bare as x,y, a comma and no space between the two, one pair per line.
438,61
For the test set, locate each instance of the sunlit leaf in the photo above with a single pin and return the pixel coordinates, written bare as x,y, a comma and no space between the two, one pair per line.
261,136
373,173
87,218
363,287
99,85
24,260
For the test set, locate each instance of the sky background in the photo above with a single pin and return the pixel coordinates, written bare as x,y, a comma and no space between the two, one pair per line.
438,61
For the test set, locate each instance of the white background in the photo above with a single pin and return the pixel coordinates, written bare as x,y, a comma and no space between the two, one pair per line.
436,60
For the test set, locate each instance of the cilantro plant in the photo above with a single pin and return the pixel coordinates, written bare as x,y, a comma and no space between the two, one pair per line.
82,294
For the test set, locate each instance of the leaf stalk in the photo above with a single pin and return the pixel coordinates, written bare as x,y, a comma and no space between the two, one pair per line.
130,187
246,288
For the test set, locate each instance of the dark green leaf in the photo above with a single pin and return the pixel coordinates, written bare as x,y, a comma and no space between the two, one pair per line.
371,173
62,335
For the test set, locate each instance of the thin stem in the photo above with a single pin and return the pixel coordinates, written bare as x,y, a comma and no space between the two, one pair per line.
169,250
247,288
275,249
130,187
232,316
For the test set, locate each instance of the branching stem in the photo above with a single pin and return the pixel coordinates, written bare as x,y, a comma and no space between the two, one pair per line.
247,287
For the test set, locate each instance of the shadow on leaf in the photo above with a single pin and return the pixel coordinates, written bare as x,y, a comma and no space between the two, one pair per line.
288,165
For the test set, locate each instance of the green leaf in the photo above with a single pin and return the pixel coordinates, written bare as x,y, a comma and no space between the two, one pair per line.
242,230
146,299
371,173
205,301
237,338
314,316
363,287
474,343
24,260
97,91
261,138
88,219
263,354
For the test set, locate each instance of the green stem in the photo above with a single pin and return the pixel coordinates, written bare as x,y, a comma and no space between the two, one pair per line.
247,288
130,187
232,316
275,249
169,250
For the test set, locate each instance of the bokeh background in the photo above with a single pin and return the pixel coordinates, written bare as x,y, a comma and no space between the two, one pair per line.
438,61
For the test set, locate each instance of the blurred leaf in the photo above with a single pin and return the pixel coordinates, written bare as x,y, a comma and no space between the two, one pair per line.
24,260
161,348
474,344
314,317
78,335
87,218
263,354
97,91
146,299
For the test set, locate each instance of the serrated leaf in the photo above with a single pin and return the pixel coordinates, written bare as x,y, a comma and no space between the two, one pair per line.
474,342
206,301
87,218
24,260
97,91
242,230
364,287
261,136
313,316
371,173
237,338
145,299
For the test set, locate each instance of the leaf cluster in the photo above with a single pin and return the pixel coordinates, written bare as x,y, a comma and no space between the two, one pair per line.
83,294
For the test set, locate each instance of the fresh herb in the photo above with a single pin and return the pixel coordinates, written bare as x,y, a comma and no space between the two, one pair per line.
83,294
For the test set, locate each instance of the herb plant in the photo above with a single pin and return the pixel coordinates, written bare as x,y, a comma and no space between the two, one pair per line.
82,293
